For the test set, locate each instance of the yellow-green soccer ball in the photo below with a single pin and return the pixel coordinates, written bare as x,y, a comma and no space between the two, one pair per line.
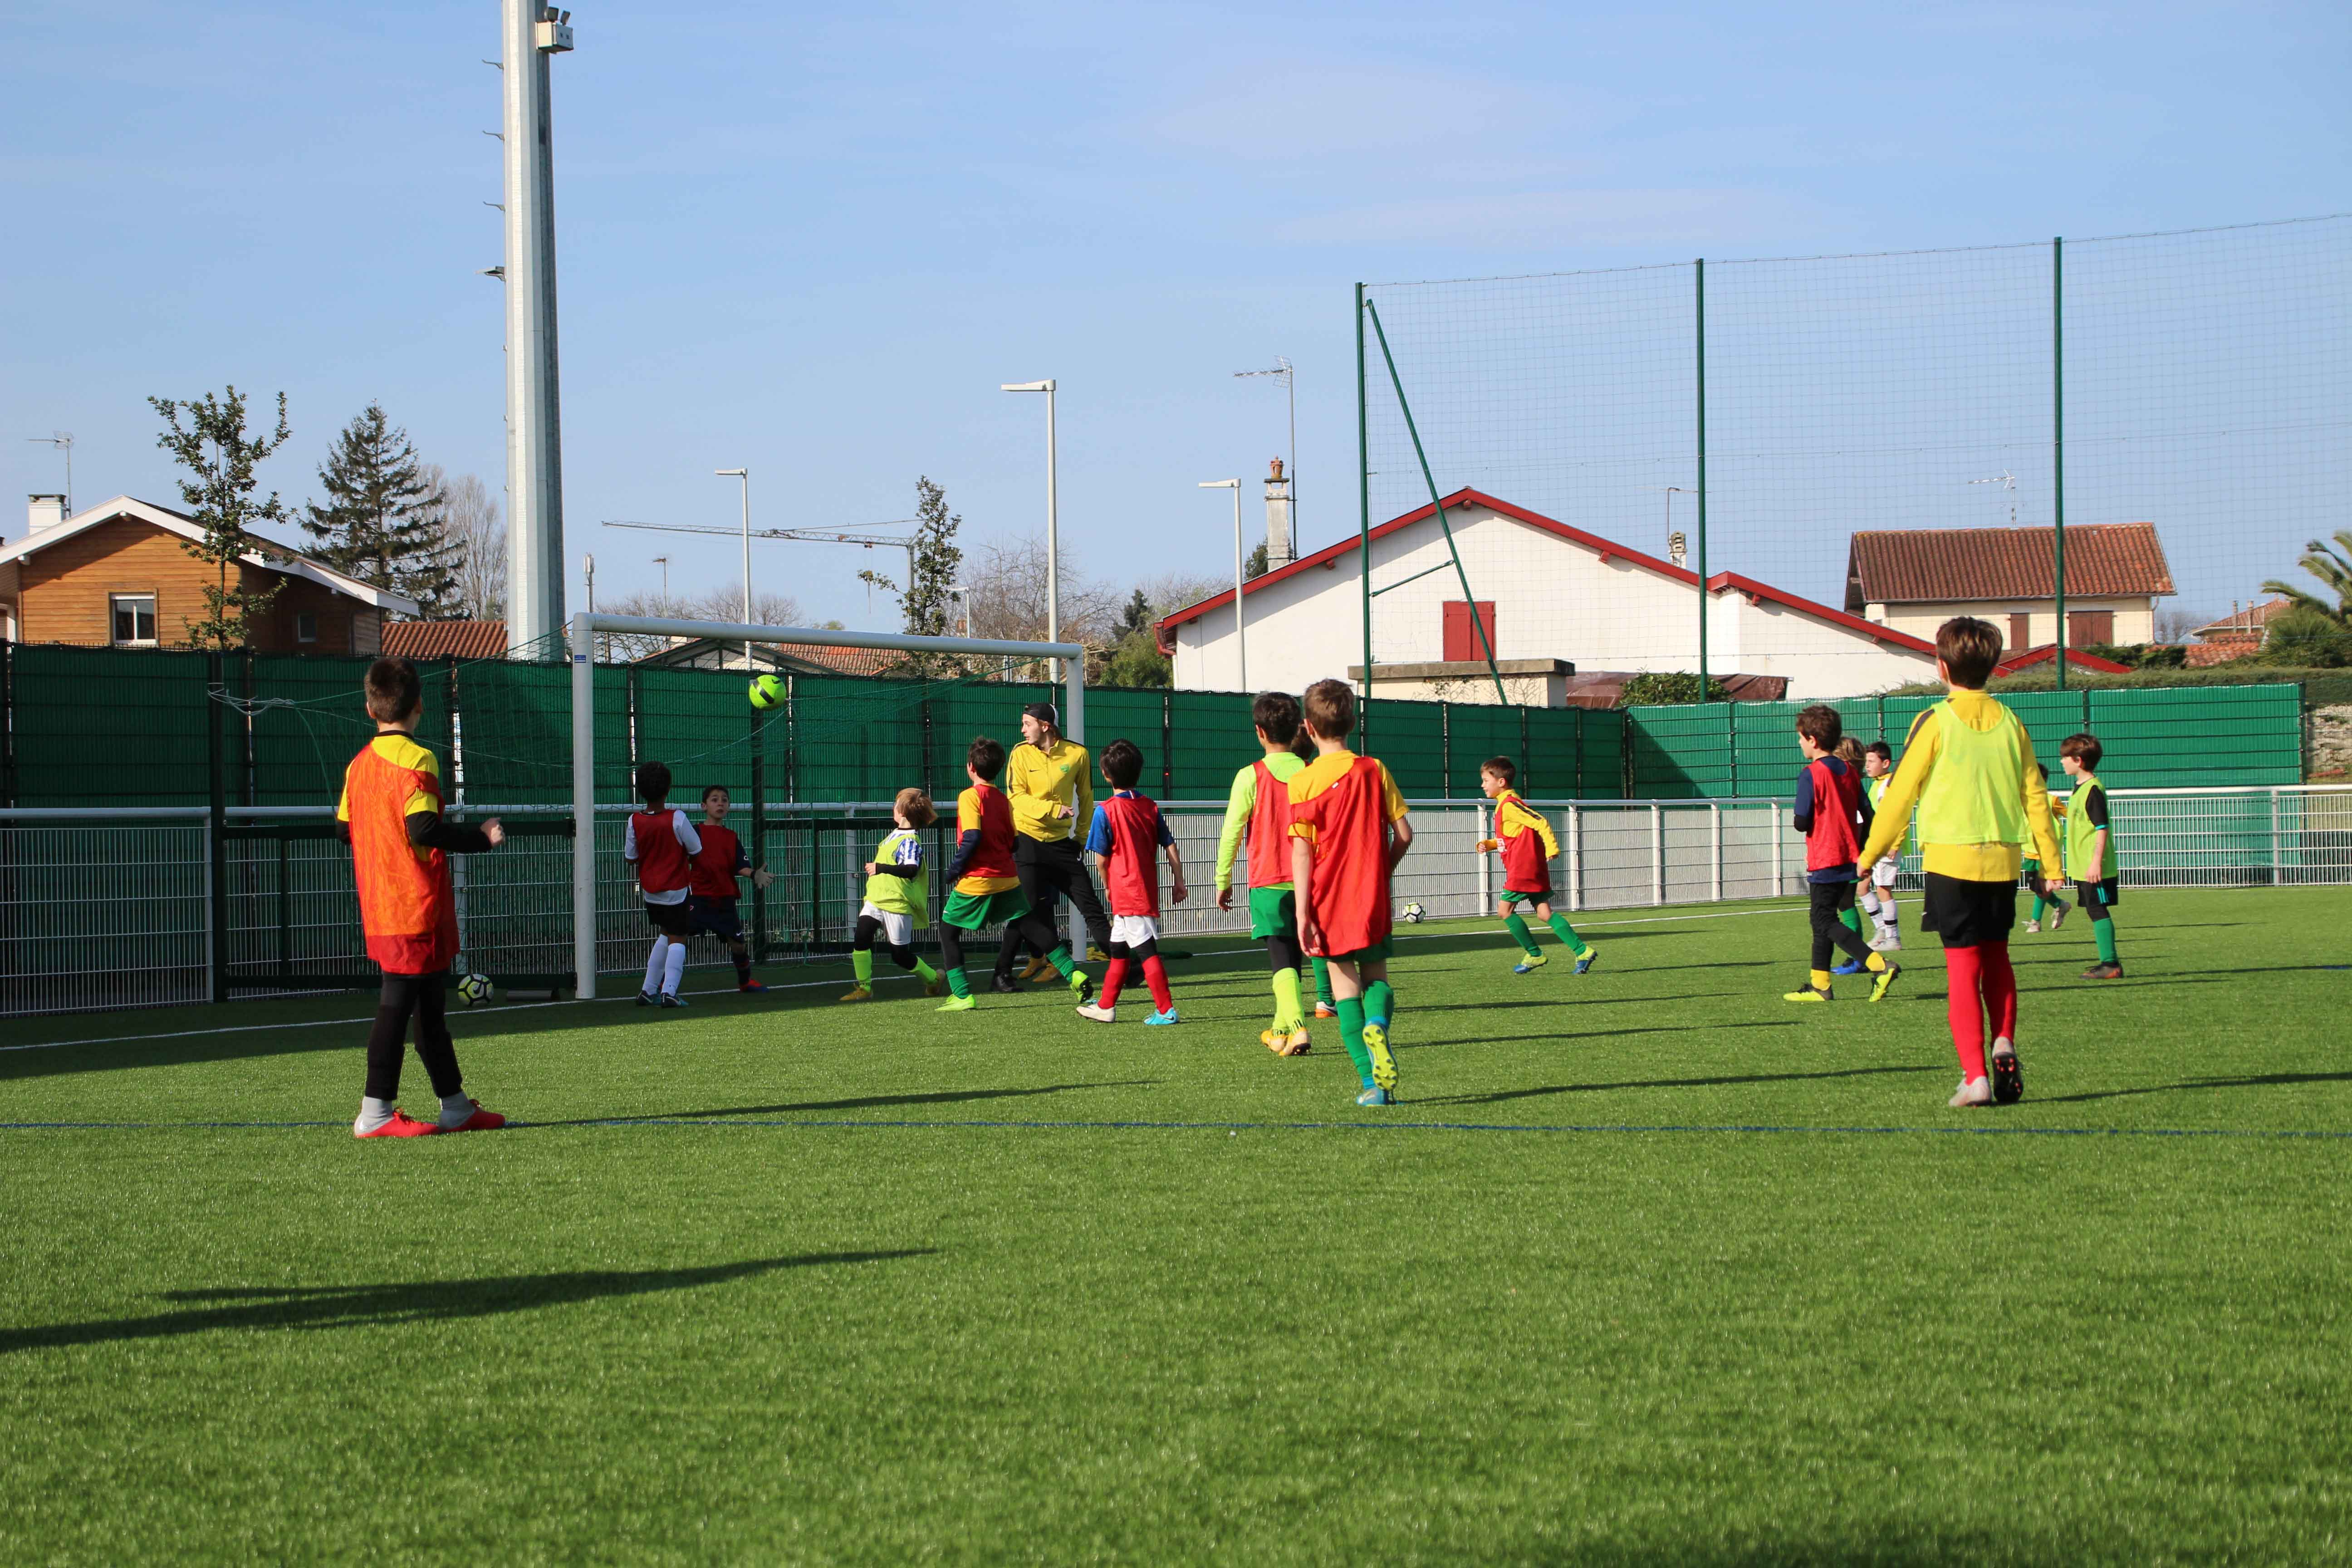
475,990
767,691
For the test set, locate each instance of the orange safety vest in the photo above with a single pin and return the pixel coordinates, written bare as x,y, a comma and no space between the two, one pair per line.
406,907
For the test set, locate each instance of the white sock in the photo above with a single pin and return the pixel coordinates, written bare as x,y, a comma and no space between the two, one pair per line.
1869,902
373,1114
456,1108
654,962
1886,913
677,969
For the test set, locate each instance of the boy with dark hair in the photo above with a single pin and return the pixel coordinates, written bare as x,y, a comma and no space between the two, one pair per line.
897,899
1258,811
1049,784
1969,767
712,887
389,814
984,881
1528,844
1877,897
661,844
1834,815
1126,837
2091,850
2046,883
1348,830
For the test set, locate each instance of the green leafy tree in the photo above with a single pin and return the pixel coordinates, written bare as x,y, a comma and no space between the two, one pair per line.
2307,637
1254,564
383,518
925,603
2333,567
218,491
1669,686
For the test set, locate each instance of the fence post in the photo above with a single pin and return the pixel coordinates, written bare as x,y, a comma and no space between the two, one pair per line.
1486,865
7,723
1657,853
216,824
1576,856
2275,836
759,823
1166,743
1445,745
1715,810
1730,742
1777,852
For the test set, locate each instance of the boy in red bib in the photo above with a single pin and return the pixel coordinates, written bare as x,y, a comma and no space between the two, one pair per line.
1126,838
1524,837
389,814
712,887
1348,830
662,844
1834,815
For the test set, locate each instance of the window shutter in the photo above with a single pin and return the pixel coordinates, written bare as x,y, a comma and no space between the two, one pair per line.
1461,638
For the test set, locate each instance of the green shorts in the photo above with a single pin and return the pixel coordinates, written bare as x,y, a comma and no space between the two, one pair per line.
1515,897
1274,911
1380,951
973,911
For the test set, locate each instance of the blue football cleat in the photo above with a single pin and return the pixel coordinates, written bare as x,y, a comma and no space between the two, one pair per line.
1850,966
1375,1096
1587,959
1527,965
1166,1017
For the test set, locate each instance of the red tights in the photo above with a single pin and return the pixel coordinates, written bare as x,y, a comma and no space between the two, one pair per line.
1155,976
1970,970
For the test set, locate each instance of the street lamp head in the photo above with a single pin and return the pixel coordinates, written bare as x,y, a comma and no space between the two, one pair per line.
1046,386
1220,485
731,473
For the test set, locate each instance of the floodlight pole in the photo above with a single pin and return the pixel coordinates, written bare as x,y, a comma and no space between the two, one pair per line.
1053,517
531,33
1241,644
744,475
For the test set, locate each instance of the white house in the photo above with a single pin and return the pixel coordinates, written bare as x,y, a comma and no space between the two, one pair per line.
1546,591
1916,579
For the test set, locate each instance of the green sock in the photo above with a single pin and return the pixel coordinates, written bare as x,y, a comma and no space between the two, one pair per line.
2105,932
861,959
1518,929
1352,1035
1288,1012
1323,981
1567,933
926,974
1060,959
1852,920
2039,904
956,983
1380,1002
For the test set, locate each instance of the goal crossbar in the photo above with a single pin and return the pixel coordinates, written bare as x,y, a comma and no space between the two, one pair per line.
585,627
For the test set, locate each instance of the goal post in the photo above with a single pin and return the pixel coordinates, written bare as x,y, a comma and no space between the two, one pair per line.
584,629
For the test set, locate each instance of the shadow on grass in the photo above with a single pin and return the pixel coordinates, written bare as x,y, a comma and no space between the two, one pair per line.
1726,1081
358,1306
862,1103
2257,1081
1573,1037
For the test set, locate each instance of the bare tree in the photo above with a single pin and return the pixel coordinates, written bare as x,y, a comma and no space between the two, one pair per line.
473,534
1007,580
718,605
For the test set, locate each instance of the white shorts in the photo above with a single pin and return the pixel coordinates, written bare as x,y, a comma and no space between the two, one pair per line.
1134,930
897,930
1885,871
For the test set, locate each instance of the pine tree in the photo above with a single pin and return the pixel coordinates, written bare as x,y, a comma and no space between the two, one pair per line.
926,605
220,460
382,523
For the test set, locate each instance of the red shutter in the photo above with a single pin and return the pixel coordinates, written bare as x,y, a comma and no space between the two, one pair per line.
2085,627
2020,630
1462,637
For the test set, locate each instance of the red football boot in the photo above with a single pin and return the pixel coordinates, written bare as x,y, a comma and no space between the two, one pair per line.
402,1125
751,985
480,1122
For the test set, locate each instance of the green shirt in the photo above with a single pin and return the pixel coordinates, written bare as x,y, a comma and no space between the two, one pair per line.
2081,832
1241,803
910,896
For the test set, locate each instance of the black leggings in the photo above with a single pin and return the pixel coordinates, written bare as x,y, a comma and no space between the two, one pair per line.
1283,953
426,997
1032,928
868,928
1056,867
1136,951
1830,900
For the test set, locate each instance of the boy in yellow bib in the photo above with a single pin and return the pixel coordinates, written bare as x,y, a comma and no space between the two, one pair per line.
897,899
1969,767
2090,848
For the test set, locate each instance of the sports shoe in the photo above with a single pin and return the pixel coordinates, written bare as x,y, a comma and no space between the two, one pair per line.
1587,959
672,999
1891,942
1099,1015
1082,986
1325,1010
2105,969
1376,1046
1096,954
1001,985
648,999
1809,994
1300,1043
1530,964
1036,969
857,994
753,986
1885,978
2058,913
1974,1091
959,1005
2008,1076
1273,1040
936,986
402,1125
1376,1095
1165,1015
1850,966
479,1122
2033,928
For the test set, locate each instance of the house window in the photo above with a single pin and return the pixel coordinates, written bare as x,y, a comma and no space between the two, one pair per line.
1462,635
134,619
2021,633
306,627
2085,627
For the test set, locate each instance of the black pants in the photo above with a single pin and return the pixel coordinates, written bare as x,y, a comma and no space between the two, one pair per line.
1034,929
1284,953
1059,865
426,997
1830,901
868,928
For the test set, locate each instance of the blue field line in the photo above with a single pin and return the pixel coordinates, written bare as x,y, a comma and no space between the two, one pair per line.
1368,1126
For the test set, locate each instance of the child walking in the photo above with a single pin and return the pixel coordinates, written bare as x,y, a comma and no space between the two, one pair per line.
1258,811
661,844
2045,883
985,883
1832,814
1126,838
1878,889
2091,850
897,899
1528,844
1969,767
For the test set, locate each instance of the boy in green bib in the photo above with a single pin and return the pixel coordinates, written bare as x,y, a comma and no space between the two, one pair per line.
897,899
2091,850
1969,768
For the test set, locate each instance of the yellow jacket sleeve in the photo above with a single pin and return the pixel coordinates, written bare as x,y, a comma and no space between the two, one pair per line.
1893,821
2039,822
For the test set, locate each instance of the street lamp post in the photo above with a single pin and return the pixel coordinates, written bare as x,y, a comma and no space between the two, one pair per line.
749,618
1053,521
1241,645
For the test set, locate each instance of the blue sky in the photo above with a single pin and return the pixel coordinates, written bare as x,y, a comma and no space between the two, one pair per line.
814,242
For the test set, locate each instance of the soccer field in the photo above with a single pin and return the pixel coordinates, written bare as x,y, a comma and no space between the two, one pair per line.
1647,1266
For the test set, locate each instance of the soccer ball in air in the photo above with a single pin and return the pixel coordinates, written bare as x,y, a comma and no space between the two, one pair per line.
475,990
767,691
1414,914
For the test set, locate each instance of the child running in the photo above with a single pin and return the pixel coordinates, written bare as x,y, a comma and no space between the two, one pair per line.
389,814
661,844
1126,838
1832,814
2044,885
1348,830
1969,767
1878,889
984,883
2091,850
1326,1004
1257,810
712,874
1528,844
897,899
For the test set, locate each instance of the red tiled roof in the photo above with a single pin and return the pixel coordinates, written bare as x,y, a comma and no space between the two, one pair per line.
850,661
446,639
1929,566
2250,622
2076,659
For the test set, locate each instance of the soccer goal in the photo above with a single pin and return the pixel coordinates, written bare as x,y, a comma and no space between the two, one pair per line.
923,655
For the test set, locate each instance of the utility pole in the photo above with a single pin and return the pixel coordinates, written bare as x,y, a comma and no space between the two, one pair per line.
530,32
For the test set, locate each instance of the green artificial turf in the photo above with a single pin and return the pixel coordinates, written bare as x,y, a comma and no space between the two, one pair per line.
1648,1266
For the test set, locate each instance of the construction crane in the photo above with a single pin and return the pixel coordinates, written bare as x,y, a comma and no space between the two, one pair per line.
909,543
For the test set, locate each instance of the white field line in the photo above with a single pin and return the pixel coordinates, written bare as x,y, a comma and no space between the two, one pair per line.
788,986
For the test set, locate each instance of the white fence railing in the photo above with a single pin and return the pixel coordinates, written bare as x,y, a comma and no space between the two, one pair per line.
117,909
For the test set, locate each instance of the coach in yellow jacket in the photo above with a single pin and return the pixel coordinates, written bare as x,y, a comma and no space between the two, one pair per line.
1050,781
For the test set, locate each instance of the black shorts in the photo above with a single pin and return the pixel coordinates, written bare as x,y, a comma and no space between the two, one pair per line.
2096,895
1966,913
671,920
1836,898
716,916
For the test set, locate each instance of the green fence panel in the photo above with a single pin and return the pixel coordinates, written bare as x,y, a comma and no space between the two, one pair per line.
2197,736
1130,713
2049,716
701,725
1212,738
308,719
514,733
1475,733
1603,753
1548,768
97,726
960,713
1410,737
1681,750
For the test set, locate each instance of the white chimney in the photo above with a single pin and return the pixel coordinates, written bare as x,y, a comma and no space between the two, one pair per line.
45,512
1280,550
